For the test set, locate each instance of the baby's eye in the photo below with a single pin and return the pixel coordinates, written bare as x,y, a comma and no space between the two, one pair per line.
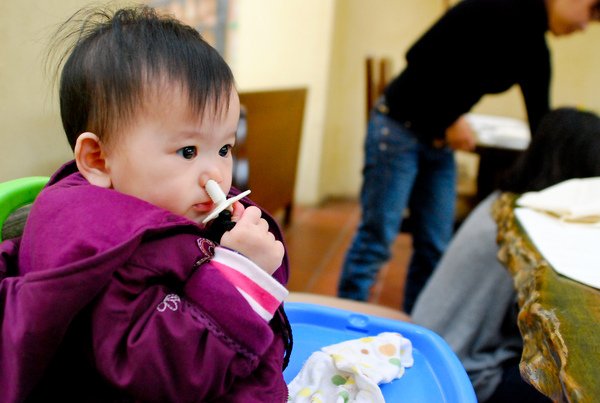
225,150
188,152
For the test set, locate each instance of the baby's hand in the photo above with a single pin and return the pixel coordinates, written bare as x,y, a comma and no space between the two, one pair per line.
238,211
251,237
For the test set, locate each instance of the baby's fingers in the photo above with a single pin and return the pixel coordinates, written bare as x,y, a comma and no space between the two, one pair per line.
251,215
238,211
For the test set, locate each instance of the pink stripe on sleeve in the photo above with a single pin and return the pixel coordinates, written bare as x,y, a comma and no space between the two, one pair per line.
266,300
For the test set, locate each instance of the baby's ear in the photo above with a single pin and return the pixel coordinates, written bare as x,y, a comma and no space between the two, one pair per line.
91,161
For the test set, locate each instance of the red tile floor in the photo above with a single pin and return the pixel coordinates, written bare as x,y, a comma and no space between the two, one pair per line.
317,240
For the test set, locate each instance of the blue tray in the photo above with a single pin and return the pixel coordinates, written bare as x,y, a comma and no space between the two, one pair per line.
436,376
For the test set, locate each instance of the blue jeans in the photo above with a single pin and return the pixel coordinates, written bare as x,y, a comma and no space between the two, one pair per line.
400,172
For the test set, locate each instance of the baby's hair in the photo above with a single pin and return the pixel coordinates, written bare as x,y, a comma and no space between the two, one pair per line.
120,59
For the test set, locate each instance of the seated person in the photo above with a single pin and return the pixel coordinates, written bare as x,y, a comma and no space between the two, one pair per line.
118,290
470,299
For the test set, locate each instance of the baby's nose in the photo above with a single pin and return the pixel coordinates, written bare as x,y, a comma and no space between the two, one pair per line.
212,175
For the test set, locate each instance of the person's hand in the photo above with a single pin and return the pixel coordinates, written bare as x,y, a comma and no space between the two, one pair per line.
460,135
251,238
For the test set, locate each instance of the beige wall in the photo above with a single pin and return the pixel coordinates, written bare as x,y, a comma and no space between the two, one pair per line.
318,44
31,137
288,44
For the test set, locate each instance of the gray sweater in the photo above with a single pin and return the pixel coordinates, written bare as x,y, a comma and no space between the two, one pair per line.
470,301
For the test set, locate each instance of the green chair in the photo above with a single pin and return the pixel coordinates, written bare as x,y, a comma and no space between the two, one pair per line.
16,197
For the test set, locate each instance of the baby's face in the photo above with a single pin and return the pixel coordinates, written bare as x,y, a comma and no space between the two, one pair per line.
166,156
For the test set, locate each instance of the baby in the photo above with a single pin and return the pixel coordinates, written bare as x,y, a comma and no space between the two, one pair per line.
114,291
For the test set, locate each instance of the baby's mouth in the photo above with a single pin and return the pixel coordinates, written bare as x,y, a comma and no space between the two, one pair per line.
203,207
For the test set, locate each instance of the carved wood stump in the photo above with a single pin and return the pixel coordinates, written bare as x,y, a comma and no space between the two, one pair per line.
559,318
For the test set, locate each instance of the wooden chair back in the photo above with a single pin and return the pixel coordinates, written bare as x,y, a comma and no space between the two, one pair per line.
377,75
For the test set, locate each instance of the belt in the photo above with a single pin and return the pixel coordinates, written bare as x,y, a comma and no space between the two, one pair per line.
382,108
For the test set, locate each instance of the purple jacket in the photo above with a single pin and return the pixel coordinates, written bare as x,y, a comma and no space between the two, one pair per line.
107,297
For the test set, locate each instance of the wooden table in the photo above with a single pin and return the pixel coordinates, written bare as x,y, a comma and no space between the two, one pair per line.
559,318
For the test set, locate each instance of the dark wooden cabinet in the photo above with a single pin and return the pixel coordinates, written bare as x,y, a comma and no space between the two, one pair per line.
266,153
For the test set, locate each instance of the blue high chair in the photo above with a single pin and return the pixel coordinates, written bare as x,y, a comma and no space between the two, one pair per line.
436,376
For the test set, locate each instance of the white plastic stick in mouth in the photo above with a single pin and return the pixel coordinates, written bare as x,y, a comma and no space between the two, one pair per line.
219,198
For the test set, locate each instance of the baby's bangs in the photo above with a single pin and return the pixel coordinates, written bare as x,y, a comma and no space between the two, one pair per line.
196,67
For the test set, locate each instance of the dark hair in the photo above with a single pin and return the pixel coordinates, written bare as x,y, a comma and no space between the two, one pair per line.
565,145
596,11
120,59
